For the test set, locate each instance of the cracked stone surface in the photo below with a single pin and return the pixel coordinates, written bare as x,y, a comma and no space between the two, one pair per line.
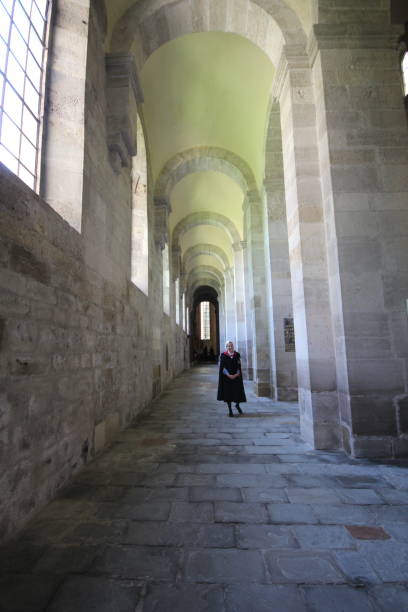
192,510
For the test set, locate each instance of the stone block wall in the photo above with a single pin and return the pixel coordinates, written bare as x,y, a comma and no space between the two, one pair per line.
82,349
75,354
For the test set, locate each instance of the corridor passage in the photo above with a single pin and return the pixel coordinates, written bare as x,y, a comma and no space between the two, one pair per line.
192,511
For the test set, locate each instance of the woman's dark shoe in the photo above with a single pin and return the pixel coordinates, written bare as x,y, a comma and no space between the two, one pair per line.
230,413
238,408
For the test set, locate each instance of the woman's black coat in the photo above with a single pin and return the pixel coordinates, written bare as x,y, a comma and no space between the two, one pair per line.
230,390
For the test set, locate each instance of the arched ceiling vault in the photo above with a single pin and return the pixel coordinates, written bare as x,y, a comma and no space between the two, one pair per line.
208,250
219,240
205,218
202,159
215,230
146,25
206,69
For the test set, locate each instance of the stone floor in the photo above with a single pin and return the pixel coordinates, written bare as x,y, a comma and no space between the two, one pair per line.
192,511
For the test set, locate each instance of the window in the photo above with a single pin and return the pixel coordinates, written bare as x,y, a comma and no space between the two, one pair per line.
166,280
23,31
404,66
140,244
183,307
205,320
177,284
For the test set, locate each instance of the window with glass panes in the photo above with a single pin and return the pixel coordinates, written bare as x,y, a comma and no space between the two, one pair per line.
23,31
205,320
404,65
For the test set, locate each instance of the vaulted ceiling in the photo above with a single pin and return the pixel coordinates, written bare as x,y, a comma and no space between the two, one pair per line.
206,100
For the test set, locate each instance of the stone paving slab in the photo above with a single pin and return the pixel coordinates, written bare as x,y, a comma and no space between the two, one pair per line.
184,598
134,562
302,567
215,494
264,598
318,495
95,594
196,512
264,537
337,599
345,514
181,535
257,494
191,510
355,567
391,597
153,511
291,513
388,558
225,566
322,537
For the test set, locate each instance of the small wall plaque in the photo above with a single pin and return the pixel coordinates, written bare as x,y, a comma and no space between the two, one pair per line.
289,332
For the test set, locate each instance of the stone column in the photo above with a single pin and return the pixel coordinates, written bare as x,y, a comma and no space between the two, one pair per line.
230,325
240,310
257,295
363,142
277,263
315,358
248,316
222,319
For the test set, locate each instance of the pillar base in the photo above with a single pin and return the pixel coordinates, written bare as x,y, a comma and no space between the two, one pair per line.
287,394
262,389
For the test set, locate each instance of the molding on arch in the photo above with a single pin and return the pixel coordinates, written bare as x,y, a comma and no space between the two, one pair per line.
205,217
204,159
149,24
199,272
206,249
208,281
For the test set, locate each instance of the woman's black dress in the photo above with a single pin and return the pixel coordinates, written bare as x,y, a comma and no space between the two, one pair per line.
230,390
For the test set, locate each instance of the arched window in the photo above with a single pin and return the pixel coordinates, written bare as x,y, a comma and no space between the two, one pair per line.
166,280
23,39
205,320
404,67
140,246
183,306
177,292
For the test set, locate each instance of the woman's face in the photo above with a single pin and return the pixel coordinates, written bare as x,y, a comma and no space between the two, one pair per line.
230,346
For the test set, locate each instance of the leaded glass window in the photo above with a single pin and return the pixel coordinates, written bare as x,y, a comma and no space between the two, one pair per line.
23,34
205,320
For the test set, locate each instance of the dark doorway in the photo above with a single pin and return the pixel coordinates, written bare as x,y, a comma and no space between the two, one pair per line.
205,337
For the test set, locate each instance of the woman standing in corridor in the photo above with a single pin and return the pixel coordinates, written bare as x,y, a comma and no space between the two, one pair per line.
230,383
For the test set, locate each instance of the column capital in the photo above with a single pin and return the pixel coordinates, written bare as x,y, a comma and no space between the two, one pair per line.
239,246
162,210
293,57
121,72
123,94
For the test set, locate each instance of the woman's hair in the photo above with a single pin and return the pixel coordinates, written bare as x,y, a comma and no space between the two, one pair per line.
227,342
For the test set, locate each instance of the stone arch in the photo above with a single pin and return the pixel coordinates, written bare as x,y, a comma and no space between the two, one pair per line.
205,270
206,249
202,159
197,159
152,23
205,280
205,217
